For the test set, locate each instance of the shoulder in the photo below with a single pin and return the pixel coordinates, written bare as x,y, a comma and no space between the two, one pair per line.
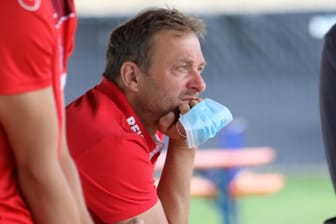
93,105
91,118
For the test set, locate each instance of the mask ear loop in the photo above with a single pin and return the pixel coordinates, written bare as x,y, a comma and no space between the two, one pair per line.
178,131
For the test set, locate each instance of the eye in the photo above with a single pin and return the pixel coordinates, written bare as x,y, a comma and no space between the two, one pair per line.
183,67
200,69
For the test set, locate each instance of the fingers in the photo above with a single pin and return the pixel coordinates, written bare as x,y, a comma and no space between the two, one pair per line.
166,122
169,125
180,130
184,108
195,101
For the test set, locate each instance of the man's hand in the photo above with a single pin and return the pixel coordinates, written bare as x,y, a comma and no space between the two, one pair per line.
168,124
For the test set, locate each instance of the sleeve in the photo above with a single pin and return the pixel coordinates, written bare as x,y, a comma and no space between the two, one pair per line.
118,183
26,48
328,99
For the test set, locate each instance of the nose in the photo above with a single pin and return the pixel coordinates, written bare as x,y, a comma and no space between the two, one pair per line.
197,82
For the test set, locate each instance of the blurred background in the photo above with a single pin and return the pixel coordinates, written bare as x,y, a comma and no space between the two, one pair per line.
263,63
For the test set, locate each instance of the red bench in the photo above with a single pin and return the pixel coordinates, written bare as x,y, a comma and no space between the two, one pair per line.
245,183
228,158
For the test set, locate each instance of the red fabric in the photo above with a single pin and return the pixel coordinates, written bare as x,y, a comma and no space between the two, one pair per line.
113,152
35,46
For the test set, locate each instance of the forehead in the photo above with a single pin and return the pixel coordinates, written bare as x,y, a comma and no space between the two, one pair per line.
172,36
176,44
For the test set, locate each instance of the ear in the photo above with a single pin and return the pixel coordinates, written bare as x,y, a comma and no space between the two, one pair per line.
129,74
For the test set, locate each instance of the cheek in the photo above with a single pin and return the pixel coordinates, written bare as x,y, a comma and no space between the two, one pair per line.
167,101
165,92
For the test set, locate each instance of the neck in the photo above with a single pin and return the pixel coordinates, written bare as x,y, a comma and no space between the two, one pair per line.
146,117
149,124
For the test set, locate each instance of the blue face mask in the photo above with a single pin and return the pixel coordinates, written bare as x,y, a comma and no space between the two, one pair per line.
203,121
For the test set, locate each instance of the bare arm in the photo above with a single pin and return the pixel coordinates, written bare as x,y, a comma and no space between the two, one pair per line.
174,185
73,180
30,122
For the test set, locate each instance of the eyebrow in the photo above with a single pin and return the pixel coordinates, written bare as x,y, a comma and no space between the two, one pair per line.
188,61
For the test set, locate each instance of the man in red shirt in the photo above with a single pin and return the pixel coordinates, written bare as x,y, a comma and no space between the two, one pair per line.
38,179
153,74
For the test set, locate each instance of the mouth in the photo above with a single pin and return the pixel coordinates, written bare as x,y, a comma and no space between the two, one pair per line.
187,99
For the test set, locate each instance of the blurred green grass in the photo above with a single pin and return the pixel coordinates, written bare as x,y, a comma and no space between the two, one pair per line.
308,200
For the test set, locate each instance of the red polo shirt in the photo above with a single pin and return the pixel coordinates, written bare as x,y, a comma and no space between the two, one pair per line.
113,152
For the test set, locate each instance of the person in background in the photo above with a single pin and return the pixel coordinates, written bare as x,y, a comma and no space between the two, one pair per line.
153,73
328,103
39,182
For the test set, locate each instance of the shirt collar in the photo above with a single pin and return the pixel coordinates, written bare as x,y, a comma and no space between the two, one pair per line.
111,90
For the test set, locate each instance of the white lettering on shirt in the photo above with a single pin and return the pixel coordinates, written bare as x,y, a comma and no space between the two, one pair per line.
133,125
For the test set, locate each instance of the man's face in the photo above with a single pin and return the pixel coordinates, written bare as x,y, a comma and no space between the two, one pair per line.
174,75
